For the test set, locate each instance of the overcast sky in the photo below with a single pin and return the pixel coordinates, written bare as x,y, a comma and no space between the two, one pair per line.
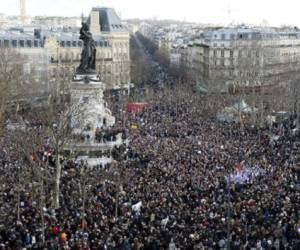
275,12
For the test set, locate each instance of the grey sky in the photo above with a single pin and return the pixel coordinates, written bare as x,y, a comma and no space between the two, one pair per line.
276,12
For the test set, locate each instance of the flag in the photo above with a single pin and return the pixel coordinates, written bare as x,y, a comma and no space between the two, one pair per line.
134,125
137,207
63,236
33,157
238,167
246,175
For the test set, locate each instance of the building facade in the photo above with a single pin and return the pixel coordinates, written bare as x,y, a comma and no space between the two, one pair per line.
62,47
244,57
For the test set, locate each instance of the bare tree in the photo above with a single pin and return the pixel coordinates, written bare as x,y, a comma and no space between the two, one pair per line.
119,175
294,97
140,66
58,129
51,121
11,78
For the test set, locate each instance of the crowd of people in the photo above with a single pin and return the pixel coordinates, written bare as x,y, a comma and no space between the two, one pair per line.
100,135
172,189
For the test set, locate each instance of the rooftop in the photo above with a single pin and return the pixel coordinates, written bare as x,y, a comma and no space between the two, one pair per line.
248,32
109,20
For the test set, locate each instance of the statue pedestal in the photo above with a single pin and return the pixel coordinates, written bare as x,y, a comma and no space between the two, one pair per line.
91,121
87,97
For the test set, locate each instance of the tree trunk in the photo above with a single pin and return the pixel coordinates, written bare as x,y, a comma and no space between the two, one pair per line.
57,183
18,204
42,203
117,202
297,114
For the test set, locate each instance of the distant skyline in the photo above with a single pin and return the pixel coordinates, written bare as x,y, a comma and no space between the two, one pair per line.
253,12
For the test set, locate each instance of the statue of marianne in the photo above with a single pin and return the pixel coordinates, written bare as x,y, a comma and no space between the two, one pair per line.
88,54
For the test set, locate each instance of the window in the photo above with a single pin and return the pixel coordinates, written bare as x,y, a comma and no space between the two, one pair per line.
232,36
222,53
80,43
36,43
74,44
215,53
85,99
0,43
101,43
29,43
231,53
14,43
223,36
222,62
68,43
258,36
22,43
6,43
105,44
62,43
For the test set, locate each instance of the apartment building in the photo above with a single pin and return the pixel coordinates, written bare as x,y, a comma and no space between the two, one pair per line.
62,47
244,57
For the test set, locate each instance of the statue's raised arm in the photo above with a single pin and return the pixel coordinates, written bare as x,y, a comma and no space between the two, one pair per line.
88,54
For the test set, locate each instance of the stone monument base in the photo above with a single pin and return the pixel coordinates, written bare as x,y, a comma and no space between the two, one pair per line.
93,119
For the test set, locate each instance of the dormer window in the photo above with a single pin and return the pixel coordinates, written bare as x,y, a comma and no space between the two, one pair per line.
85,99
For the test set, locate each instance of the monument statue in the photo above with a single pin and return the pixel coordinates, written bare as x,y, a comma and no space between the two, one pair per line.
88,54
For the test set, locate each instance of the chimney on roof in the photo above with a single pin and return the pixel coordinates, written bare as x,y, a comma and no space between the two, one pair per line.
23,11
95,27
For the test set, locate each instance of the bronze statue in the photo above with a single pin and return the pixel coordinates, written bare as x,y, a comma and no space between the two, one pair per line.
88,54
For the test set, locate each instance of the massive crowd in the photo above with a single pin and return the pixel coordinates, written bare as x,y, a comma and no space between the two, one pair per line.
172,190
